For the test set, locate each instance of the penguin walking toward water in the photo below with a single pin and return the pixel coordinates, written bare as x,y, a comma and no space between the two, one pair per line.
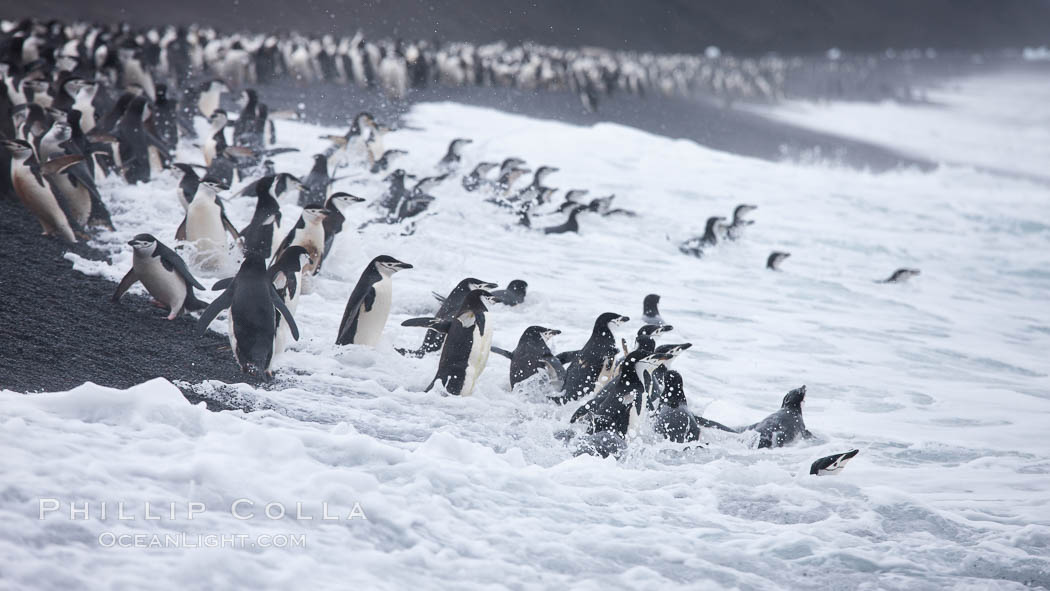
369,304
570,225
164,275
533,355
591,367
433,340
467,344
254,304
308,232
35,192
286,275
333,222
513,295
784,426
651,309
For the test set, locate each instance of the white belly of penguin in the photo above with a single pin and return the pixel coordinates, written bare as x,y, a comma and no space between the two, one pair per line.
370,324
480,346
165,286
204,228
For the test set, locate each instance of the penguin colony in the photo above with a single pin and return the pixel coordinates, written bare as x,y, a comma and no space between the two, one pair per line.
81,102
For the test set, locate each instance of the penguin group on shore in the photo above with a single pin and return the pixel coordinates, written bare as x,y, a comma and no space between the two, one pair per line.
84,102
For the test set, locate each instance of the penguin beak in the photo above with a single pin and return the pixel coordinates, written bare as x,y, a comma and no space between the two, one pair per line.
487,285
402,266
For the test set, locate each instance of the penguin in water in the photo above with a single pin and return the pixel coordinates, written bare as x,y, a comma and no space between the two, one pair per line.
386,160
833,464
533,355
735,229
900,276
333,222
35,192
570,225
262,230
784,426
308,232
453,156
674,420
623,412
450,304
472,181
592,366
369,304
513,295
695,246
206,224
775,258
651,310
254,304
467,344
164,275
286,275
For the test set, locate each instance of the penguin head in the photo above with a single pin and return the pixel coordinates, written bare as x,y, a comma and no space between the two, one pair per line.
73,85
574,195
314,214
793,400
610,320
218,119
546,333
518,286
674,391
62,131
742,209
181,169
293,259
713,222
650,302
673,350
543,171
342,199
472,283
143,244
484,167
648,362
213,184
478,299
654,330
388,265
458,143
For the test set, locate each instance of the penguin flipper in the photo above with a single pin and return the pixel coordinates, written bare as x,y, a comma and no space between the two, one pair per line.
226,223
503,352
60,163
440,298
175,261
192,303
713,424
566,357
221,284
218,305
434,323
125,283
180,232
283,309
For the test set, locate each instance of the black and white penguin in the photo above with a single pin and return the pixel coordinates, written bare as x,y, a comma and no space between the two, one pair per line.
450,304
138,147
651,309
570,225
74,185
206,224
369,304
164,275
210,95
775,258
215,143
386,160
593,365
695,246
901,275
333,222
165,117
308,232
315,184
286,275
254,304
453,155
533,355
472,181
735,229
833,464
262,231
673,419
623,411
513,295
35,192
188,181
572,199
468,341
785,425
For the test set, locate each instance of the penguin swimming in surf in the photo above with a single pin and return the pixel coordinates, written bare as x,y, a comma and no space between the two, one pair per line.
623,411
775,258
832,464
533,355
472,181
164,275
513,295
672,417
467,344
901,275
651,309
452,157
735,229
591,367
368,307
784,426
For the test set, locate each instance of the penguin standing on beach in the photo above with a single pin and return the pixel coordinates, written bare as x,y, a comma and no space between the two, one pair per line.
254,304
164,275
35,192
286,275
368,307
